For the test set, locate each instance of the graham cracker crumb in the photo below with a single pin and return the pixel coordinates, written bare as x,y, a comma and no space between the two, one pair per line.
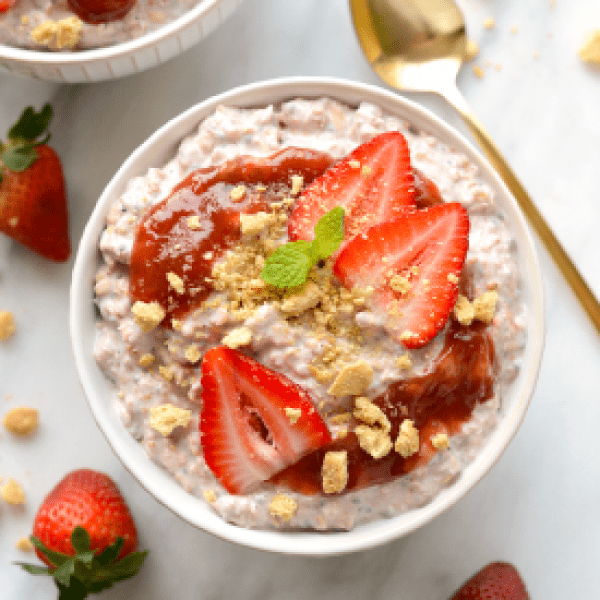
24,544
12,492
146,360
238,192
307,298
297,183
489,23
440,441
193,222
7,324
166,417
147,315
253,224
335,471
407,335
340,418
404,362
479,72
192,353
352,380
21,420
64,33
407,442
354,164
463,310
240,336
590,50
452,278
484,306
175,282
400,284
373,440
166,372
472,50
283,506
293,414
209,496
367,412
366,170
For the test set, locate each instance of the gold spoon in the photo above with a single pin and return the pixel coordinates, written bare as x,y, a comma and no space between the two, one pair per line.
419,45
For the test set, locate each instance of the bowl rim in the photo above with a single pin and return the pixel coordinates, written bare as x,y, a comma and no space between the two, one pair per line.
151,476
104,53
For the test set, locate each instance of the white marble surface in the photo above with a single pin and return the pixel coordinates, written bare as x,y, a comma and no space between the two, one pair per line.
540,505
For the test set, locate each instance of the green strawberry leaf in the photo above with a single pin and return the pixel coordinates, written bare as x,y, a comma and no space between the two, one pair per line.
329,233
110,553
34,569
18,158
63,573
76,590
31,125
80,539
289,265
56,558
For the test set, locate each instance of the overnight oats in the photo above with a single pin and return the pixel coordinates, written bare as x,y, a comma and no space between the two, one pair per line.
310,314
66,25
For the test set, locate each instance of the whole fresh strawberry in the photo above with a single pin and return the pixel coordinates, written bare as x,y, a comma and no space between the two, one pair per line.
84,532
496,581
33,202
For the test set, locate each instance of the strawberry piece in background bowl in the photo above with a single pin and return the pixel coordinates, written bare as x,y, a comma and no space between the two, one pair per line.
517,383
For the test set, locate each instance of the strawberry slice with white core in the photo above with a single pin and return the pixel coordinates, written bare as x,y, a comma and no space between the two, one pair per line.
254,421
413,263
374,183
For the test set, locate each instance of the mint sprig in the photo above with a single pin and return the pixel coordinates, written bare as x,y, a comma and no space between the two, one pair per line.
290,264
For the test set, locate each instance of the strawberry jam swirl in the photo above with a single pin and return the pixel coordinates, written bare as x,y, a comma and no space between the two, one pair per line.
247,392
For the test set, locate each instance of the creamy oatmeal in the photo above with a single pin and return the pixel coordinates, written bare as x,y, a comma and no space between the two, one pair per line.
52,25
345,366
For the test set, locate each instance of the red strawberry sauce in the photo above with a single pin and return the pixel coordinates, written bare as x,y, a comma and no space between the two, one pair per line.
439,401
165,243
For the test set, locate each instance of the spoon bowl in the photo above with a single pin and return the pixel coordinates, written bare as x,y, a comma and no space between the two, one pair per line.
419,46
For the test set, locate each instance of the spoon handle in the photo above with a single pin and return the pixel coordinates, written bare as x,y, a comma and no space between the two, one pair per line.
536,220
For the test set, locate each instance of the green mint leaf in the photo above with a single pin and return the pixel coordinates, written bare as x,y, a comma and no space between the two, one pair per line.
31,124
34,569
289,265
80,539
18,158
329,233
56,558
110,553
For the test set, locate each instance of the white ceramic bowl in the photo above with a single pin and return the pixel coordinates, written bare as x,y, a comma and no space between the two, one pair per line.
155,152
122,59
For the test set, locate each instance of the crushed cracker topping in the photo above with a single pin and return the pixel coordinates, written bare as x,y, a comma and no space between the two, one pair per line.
147,315
192,353
21,420
404,362
463,310
64,33
307,298
293,414
176,282
7,325
238,192
283,506
166,372
335,471
352,380
24,544
256,223
209,496
590,50
407,442
485,306
240,336
12,492
374,441
367,412
193,222
146,360
166,417
297,183
440,441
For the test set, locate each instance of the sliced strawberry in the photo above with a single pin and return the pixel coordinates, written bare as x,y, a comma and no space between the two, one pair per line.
6,4
426,247
374,183
496,581
247,436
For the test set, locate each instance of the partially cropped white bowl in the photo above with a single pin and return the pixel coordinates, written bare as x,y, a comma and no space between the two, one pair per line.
155,152
118,60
